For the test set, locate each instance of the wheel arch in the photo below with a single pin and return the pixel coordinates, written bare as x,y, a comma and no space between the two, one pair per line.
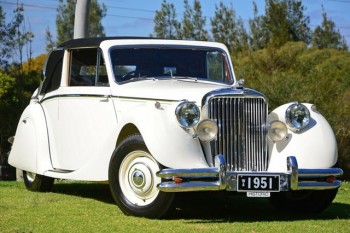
127,130
168,143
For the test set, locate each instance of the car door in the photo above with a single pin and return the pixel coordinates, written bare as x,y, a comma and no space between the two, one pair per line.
83,118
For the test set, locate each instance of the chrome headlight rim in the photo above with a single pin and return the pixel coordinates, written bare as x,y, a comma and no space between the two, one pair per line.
297,116
187,114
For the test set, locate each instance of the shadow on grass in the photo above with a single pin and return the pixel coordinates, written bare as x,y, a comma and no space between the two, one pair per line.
239,208
91,190
209,207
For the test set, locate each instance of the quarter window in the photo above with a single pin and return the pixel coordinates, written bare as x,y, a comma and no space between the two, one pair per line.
87,68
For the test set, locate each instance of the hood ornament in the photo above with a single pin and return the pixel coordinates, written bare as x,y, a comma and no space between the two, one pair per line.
240,83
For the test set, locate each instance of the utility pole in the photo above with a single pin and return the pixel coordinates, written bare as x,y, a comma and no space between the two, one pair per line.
81,20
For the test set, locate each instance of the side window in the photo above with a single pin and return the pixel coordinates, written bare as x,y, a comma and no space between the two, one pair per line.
52,72
87,68
215,66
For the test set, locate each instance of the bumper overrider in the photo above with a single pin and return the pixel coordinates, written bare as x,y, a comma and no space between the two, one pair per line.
219,178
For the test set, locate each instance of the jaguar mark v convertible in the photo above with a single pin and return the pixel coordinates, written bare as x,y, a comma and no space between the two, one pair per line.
155,117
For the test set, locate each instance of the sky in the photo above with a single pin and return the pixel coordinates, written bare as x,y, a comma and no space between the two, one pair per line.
135,17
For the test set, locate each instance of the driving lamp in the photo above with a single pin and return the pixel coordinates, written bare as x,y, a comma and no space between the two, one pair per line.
207,130
297,116
187,114
277,131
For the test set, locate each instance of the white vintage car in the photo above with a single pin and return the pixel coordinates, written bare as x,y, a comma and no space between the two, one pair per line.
155,117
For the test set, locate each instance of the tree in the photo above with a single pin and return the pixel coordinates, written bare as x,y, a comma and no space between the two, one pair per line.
193,23
165,22
227,29
50,43
298,23
258,34
285,21
15,39
326,35
65,20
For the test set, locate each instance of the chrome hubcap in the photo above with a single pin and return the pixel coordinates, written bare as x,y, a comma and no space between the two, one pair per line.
137,178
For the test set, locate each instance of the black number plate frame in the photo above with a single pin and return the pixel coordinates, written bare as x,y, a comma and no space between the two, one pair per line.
268,183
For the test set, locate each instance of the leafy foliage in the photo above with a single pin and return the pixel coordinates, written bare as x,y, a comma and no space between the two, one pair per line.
326,35
165,22
193,22
227,29
285,21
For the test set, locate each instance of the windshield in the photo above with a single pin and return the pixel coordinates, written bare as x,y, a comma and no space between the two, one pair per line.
131,64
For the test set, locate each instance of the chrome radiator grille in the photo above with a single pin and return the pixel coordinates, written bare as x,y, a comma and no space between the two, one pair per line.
242,131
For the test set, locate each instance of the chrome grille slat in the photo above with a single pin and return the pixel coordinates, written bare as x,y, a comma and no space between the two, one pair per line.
242,131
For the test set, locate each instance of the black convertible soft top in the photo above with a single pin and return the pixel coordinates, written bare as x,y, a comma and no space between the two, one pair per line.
93,42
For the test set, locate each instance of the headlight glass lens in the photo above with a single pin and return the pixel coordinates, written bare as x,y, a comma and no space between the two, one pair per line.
187,114
297,116
277,131
207,130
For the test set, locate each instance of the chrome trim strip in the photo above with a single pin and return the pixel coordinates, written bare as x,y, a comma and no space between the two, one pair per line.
195,172
145,99
189,186
312,173
104,96
307,185
75,96
235,92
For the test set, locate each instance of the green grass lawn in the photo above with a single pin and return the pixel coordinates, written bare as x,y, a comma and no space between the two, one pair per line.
88,207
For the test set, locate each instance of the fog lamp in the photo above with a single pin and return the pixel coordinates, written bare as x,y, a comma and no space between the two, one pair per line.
207,130
277,131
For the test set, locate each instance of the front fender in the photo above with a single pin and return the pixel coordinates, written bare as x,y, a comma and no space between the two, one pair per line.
314,146
169,144
30,149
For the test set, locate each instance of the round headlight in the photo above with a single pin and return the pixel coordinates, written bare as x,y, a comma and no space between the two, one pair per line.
277,131
207,130
297,116
187,114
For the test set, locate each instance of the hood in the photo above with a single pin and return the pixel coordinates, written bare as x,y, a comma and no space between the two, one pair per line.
168,89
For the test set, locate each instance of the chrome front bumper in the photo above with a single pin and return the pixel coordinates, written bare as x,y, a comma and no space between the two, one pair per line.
218,178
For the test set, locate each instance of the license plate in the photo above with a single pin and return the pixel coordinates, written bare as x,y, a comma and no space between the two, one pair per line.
258,183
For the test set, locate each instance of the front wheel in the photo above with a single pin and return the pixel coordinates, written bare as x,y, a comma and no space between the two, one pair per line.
306,201
37,183
133,181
